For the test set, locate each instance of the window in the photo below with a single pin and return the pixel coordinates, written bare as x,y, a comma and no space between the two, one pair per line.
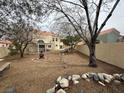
60,46
56,45
56,39
53,39
2,45
49,46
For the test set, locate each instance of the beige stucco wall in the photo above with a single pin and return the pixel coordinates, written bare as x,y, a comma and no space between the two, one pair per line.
112,53
3,52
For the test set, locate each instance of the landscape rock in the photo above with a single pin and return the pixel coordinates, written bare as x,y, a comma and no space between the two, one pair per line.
75,82
108,78
59,79
84,76
10,89
91,75
87,74
1,59
117,82
64,82
101,83
61,91
52,90
95,77
116,76
101,76
88,80
75,77
122,76
107,81
69,77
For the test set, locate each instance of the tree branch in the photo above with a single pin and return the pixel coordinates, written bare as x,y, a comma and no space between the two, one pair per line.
107,18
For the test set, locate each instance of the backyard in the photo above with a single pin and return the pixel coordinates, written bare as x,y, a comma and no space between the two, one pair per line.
32,75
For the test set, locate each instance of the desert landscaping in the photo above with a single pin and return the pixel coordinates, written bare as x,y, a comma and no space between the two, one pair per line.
32,75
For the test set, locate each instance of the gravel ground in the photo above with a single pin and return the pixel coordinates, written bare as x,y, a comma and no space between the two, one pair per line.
32,75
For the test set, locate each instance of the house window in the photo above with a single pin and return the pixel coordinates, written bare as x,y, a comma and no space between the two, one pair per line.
49,46
60,46
53,39
56,39
56,45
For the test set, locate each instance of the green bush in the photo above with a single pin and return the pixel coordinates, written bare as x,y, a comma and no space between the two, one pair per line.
13,51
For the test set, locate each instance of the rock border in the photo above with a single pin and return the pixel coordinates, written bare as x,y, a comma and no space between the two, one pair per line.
63,83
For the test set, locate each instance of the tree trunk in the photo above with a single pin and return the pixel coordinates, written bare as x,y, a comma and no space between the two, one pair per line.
92,56
21,54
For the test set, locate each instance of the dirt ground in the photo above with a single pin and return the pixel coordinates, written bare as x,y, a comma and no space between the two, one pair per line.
32,75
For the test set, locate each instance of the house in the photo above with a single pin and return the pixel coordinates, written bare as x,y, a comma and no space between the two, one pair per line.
45,41
5,43
109,36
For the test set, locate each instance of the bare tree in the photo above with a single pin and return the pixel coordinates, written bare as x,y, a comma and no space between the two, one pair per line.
11,11
84,16
18,18
21,36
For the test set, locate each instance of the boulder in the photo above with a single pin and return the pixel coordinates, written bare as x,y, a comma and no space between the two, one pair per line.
84,76
101,83
117,82
108,78
116,76
101,76
59,79
51,90
75,82
95,77
88,79
122,76
91,75
69,77
75,77
1,59
107,81
64,83
61,91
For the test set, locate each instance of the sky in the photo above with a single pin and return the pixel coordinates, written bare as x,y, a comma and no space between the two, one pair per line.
116,21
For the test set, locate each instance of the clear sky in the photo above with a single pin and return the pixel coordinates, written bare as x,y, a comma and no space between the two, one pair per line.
116,21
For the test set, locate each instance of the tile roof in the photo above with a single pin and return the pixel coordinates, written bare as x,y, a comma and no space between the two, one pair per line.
109,31
5,42
44,33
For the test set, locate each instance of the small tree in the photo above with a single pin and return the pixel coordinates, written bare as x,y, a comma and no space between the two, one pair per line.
71,41
21,36
84,16
66,31
17,17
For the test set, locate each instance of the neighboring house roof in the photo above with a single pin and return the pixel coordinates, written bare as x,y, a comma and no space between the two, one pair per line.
44,33
5,42
109,31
